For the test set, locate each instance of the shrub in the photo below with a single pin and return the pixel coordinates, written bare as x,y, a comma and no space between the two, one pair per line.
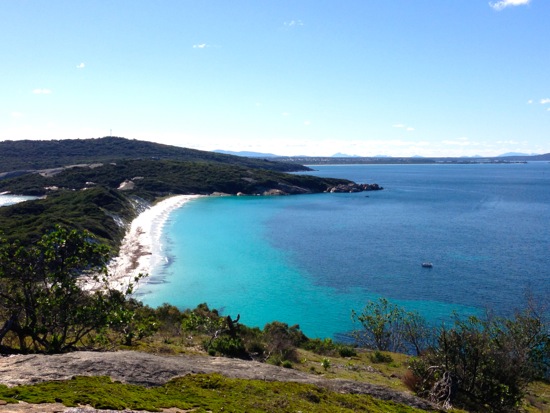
320,346
411,381
281,340
227,346
379,357
346,351
387,327
287,364
42,300
485,362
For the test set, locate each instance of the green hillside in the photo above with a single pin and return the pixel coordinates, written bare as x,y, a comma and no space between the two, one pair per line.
94,184
31,155
156,178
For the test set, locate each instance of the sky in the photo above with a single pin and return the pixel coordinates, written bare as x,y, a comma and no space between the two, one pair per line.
288,77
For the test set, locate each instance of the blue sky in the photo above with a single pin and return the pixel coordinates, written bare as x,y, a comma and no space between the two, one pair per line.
291,77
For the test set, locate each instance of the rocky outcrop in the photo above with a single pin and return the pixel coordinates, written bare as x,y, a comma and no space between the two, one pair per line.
127,186
353,187
154,370
286,189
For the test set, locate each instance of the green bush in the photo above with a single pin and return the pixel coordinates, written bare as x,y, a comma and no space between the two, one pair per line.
485,363
320,346
228,346
287,364
42,301
379,357
346,351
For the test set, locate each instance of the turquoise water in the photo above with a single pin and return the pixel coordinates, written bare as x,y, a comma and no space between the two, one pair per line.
311,259
6,200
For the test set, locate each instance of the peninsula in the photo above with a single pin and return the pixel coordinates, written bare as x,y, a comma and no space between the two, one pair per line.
101,185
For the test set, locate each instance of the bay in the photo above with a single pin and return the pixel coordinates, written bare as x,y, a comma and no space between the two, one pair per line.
311,259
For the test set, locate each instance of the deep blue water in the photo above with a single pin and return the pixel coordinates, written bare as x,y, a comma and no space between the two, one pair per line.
311,259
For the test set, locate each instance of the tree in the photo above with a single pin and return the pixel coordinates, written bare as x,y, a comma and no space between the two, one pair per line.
282,340
42,297
224,332
485,363
388,327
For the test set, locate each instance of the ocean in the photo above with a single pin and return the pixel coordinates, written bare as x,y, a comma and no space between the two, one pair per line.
312,259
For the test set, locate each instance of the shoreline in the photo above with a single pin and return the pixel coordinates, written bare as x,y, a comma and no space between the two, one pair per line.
141,249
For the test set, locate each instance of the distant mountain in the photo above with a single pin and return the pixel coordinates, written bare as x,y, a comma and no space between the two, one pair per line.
343,155
516,154
247,154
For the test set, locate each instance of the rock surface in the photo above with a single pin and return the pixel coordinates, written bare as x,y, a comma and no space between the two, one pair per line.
152,370
353,187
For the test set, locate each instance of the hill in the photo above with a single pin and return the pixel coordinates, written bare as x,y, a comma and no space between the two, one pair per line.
98,197
31,155
156,178
95,184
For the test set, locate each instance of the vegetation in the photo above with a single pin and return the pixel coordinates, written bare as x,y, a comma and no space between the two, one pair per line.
33,155
42,302
154,178
485,362
82,191
478,364
200,393
481,364
87,198
97,210
387,327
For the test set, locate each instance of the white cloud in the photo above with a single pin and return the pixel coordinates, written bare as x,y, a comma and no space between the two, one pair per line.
293,23
16,115
401,126
544,101
81,66
499,5
285,114
200,46
307,122
41,91
530,101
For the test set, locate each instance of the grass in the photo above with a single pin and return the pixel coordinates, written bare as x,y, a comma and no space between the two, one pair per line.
213,392
537,399
201,393
358,368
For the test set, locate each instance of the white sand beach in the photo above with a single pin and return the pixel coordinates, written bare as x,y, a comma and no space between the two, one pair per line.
141,248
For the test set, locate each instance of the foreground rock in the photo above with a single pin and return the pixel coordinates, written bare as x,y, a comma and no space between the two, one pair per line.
153,370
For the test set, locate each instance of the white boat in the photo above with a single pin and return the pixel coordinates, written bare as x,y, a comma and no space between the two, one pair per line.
427,265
